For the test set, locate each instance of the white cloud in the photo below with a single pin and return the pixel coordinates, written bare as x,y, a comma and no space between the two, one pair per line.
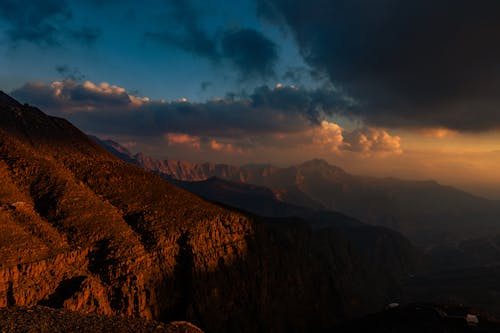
368,140
328,135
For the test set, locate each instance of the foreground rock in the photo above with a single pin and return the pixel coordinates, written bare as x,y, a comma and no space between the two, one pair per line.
46,320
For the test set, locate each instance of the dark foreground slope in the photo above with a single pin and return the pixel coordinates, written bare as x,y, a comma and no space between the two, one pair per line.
82,230
48,320
423,318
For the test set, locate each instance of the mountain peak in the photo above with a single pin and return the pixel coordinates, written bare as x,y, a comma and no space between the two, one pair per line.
6,100
319,163
316,161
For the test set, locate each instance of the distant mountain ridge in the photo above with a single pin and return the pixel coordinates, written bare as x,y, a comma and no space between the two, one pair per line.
428,213
263,202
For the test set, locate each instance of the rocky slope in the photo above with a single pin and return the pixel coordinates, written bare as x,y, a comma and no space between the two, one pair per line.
48,320
428,213
85,231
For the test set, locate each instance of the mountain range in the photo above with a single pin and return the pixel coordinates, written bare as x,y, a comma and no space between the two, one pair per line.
85,231
463,271
428,213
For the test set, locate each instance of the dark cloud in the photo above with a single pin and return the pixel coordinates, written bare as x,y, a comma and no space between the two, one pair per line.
70,73
73,97
412,63
45,23
284,117
110,109
248,50
313,104
205,85
186,33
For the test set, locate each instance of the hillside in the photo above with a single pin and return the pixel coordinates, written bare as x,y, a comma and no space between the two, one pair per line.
48,320
85,231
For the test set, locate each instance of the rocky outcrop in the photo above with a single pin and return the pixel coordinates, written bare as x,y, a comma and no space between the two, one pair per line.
49,320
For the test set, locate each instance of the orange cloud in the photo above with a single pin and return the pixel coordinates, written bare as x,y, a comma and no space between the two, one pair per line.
183,139
328,135
438,133
370,140
366,140
224,147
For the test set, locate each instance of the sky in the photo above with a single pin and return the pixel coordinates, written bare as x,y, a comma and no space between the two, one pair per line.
387,88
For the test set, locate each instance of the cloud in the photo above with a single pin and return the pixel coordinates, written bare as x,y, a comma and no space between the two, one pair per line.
246,49
266,110
45,23
183,140
438,133
418,63
205,85
225,147
281,116
368,140
187,33
329,135
69,73
197,143
250,51
71,97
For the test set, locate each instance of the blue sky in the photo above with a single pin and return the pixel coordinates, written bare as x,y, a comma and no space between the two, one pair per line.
124,55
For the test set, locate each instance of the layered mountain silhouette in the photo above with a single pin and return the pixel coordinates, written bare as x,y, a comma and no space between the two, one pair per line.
83,230
263,202
428,213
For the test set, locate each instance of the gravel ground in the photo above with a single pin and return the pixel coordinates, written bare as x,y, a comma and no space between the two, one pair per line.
46,320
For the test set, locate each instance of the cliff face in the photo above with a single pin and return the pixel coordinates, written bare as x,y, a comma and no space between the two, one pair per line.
85,231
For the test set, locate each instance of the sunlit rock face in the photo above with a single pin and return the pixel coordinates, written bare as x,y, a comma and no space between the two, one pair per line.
83,230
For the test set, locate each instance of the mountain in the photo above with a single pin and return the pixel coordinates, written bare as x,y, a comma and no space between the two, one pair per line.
261,201
116,149
428,213
82,230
